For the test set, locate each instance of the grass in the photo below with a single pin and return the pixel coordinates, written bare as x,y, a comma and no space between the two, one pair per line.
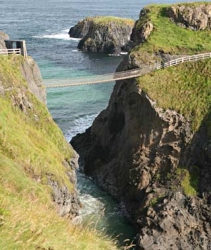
31,148
185,88
105,20
169,37
189,180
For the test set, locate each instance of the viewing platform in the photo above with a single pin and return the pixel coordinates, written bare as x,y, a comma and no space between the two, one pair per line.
14,47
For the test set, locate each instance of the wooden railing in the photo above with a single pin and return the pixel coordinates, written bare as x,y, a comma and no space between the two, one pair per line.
10,51
184,59
58,83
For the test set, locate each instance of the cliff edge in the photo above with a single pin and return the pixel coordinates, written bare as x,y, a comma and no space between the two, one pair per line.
150,148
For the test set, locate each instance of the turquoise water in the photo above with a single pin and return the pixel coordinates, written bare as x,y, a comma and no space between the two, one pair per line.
44,25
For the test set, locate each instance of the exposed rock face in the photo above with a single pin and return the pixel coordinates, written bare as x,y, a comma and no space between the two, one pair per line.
134,149
106,36
68,203
3,37
176,223
81,28
130,142
192,17
142,31
31,73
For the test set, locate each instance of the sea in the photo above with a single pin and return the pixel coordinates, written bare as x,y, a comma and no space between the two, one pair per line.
44,25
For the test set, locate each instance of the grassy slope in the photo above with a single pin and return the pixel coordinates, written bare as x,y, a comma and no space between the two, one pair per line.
32,147
185,88
171,38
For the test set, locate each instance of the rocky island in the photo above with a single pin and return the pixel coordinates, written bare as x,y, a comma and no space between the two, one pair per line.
110,35
151,147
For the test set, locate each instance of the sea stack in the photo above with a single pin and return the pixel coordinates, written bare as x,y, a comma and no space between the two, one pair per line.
104,34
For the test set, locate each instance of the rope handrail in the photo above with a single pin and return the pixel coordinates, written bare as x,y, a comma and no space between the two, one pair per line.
119,75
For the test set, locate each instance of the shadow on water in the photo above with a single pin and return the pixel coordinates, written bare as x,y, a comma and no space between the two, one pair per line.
100,211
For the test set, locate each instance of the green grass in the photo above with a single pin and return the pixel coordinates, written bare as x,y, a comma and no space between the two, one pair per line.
169,37
189,180
105,20
185,88
32,148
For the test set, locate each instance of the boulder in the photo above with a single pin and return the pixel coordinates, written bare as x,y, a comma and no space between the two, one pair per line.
190,16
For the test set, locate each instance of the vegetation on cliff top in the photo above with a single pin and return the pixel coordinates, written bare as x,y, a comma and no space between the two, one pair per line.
185,88
105,20
32,148
167,36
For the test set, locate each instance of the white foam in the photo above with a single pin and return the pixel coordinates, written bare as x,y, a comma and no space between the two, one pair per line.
63,35
123,53
80,125
90,205
74,39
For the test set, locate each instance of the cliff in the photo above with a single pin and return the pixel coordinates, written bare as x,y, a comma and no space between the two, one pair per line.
3,37
109,35
38,195
150,148
81,28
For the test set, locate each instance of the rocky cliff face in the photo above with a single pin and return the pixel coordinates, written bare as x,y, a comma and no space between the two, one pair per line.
151,160
195,18
134,150
3,37
108,35
81,28
143,29
32,75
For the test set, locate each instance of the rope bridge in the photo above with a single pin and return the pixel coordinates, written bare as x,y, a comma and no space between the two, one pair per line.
70,82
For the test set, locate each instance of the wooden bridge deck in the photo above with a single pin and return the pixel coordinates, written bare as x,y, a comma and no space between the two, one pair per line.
70,82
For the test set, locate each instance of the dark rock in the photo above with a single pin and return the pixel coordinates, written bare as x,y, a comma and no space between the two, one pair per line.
132,150
110,36
81,28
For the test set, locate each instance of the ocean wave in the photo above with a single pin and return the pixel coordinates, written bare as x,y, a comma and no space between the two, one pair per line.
63,35
80,125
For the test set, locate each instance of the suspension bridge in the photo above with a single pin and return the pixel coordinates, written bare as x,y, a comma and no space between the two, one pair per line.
128,74
70,82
